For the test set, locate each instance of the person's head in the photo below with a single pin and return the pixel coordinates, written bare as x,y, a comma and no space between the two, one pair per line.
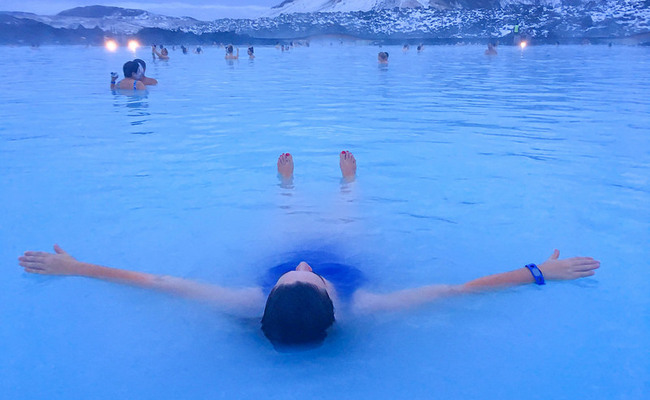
132,70
229,49
164,52
299,309
382,56
251,51
142,64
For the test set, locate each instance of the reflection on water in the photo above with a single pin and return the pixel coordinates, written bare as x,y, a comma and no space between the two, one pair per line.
137,105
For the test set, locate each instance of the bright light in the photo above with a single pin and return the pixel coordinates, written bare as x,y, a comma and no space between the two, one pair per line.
111,45
523,44
133,45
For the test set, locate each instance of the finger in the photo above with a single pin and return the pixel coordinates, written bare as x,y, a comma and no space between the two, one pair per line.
59,250
36,253
35,271
31,259
587,267
28,264
583,262
555,255
582,259
585,274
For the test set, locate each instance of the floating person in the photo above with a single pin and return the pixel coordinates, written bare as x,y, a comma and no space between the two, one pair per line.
145,79
491,50
251,52
382,57
163,54
132,74
229,53
420,48
405,48
198,50
184,49
301,300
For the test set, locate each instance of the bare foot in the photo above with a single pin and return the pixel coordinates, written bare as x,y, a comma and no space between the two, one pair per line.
348,165
285,166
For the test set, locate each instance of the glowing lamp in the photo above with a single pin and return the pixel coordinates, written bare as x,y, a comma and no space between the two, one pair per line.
523,44
133,45
111,45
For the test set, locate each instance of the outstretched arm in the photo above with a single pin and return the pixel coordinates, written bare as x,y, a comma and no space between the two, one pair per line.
552,269
243,301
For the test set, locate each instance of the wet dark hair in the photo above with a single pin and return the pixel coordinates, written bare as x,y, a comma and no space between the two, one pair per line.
251,49
297,314
130,68
142,63
383,55
229,48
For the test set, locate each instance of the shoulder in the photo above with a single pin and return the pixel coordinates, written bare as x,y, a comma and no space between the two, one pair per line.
139,85
364,302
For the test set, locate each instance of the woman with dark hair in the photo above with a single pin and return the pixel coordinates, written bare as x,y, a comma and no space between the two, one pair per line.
145,79
229,53
382,57
302,299
132,74
251,52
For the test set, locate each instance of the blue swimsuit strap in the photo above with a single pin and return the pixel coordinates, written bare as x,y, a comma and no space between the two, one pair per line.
345,278
134,84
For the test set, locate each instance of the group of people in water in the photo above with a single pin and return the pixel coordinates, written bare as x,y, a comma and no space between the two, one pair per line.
134,71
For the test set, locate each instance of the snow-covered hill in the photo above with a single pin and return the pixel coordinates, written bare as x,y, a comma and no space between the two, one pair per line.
603,19
309,6
110,19
597,20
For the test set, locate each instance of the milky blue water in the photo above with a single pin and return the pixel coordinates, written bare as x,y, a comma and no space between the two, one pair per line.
468,165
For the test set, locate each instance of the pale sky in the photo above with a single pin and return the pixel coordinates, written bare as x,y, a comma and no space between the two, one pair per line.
199,9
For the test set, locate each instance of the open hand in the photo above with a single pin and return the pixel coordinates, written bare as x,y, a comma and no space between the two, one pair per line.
39,262
569,268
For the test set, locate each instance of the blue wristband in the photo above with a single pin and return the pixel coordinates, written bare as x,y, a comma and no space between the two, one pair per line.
537,274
